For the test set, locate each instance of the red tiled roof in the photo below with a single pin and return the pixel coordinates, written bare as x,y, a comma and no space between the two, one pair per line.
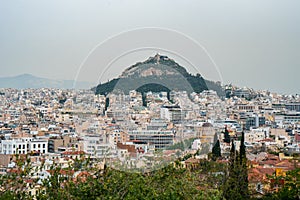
254,162
265,171
17,171
285,164
130,148
267,140
259,174
272,156
192,160
254,175
73,153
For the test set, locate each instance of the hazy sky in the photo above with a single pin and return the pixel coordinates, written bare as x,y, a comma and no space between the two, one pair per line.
254,43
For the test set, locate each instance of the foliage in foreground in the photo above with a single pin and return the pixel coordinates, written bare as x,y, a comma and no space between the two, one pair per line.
166,183
207,179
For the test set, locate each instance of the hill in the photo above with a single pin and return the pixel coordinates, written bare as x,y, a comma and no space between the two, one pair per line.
158,73
30,81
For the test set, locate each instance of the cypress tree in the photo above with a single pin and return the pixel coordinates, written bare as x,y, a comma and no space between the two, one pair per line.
243,168
243,159
215,137
236,186
232,160
226,136
106,103
229,187
232,185
216,150
144,99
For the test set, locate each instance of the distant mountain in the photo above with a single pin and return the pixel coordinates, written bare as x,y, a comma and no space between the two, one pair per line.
30,81
158,73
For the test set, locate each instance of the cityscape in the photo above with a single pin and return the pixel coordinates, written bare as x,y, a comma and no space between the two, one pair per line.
149,100
141,132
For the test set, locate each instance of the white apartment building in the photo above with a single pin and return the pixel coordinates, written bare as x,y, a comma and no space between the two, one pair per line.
14,147
23,146
98,145
171,113
38,146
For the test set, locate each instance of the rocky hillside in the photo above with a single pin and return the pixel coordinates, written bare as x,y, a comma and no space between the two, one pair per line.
157,71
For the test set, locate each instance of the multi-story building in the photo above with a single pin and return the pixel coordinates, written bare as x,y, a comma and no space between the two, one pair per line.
18,146
171,113
55,142
255,121
288,118
293,106
38,145
23,146
157,124
98,145
159,138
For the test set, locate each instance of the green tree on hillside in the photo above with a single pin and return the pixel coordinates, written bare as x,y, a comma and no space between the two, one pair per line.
236,186
243,178
226,136
216,151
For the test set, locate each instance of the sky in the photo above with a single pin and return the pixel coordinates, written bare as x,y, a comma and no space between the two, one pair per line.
247,43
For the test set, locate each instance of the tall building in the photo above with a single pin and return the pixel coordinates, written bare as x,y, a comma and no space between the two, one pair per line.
171,113
160,139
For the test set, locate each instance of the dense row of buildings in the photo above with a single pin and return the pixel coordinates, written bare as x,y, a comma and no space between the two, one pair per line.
60,125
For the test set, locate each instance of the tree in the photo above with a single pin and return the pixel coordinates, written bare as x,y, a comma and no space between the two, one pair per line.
288,185
144,99
168,182
106,103
243,158
216,150
226,136
215,138
236,186
231,186
243,178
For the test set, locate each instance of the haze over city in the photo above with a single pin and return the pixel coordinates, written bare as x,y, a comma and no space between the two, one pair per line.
253,43
152,99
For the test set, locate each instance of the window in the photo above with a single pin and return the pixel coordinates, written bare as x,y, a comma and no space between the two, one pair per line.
39,145
44,145
34,146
